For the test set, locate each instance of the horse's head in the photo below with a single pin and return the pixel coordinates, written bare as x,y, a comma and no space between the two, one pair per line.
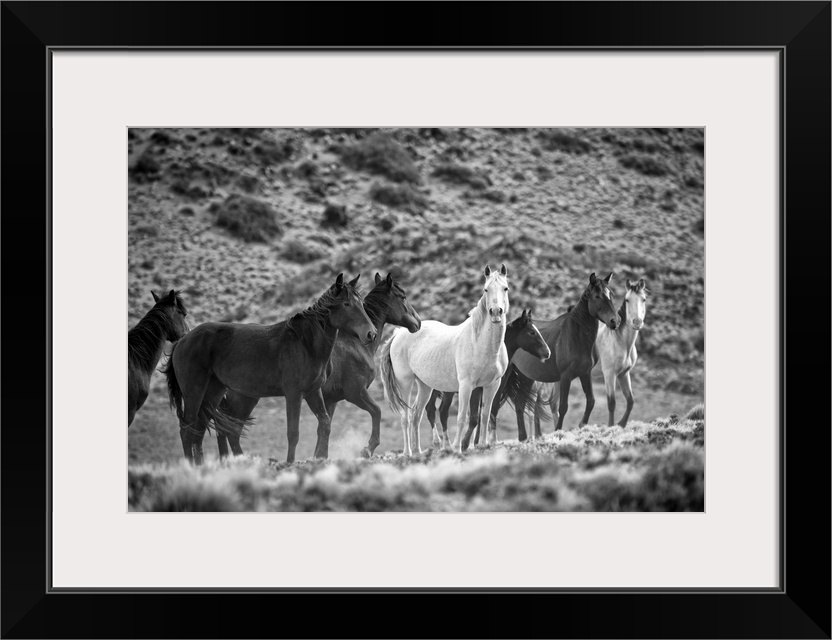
399,310
635,304
172,305
599,301
346,311
529,338
495,293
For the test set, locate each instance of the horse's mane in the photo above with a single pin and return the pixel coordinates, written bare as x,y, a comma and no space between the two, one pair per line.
318,313
143,339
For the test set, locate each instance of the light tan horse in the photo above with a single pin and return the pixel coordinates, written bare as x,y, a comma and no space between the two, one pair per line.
456,358
615,349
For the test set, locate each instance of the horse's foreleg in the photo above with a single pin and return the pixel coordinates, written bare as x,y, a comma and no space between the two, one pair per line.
501,392
474,414
609,384
586,385
535,430
430,412
565,383
463,402
405,421
553,403
222,445
444,410
627,389
489,435
362,400
315,401
293,404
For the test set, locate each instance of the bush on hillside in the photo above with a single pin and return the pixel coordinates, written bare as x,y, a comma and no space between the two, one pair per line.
248,218
380,154
402,197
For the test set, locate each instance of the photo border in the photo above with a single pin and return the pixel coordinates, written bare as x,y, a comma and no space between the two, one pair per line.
798,30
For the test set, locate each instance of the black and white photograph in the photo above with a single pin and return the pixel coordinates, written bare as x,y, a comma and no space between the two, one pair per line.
416,319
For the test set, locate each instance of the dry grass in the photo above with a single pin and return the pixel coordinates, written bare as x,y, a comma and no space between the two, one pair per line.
646,467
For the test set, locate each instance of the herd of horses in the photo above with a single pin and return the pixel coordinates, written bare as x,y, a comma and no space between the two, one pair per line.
332,351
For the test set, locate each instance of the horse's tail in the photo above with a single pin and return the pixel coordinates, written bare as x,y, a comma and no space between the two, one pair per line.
388,379
174,392
542,404
223,422
520,391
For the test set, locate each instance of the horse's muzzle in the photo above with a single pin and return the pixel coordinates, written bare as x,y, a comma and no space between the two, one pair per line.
496,314
638,324
414,324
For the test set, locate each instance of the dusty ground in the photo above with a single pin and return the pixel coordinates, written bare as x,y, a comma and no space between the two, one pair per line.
553,205
646,467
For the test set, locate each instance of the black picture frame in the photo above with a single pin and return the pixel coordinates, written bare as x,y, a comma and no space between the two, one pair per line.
799,31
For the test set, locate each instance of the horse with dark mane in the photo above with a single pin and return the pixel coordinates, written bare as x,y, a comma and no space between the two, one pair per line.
352,364
571,337
521,333
288,359
145,343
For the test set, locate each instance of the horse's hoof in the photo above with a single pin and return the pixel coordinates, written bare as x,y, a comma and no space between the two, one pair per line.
365,453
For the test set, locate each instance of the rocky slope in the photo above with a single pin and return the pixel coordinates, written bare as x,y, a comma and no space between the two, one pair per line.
253,224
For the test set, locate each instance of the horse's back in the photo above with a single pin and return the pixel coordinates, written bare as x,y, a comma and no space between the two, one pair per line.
429,354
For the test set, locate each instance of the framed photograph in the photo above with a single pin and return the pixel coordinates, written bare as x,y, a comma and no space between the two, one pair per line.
595,196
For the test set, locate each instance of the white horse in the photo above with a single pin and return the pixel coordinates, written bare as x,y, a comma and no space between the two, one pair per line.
615,349
449,358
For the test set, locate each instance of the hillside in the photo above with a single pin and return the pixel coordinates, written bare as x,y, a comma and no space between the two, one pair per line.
253,224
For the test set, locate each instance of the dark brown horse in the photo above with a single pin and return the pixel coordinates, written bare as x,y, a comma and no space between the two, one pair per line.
521,333
288,359
571,338
352,365
145,342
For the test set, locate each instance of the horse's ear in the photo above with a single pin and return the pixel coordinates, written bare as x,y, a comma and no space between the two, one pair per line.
487,271
155,297
503,270
608,278
378,278
529,315
592,278
354,281
172,296
642,284
630,284
339,282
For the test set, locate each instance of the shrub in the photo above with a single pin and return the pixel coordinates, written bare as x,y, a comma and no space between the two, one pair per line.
269,152
453,173
402,197
380,154
493,195
335,215
301,252
647,165
696,413
248,218
565,141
